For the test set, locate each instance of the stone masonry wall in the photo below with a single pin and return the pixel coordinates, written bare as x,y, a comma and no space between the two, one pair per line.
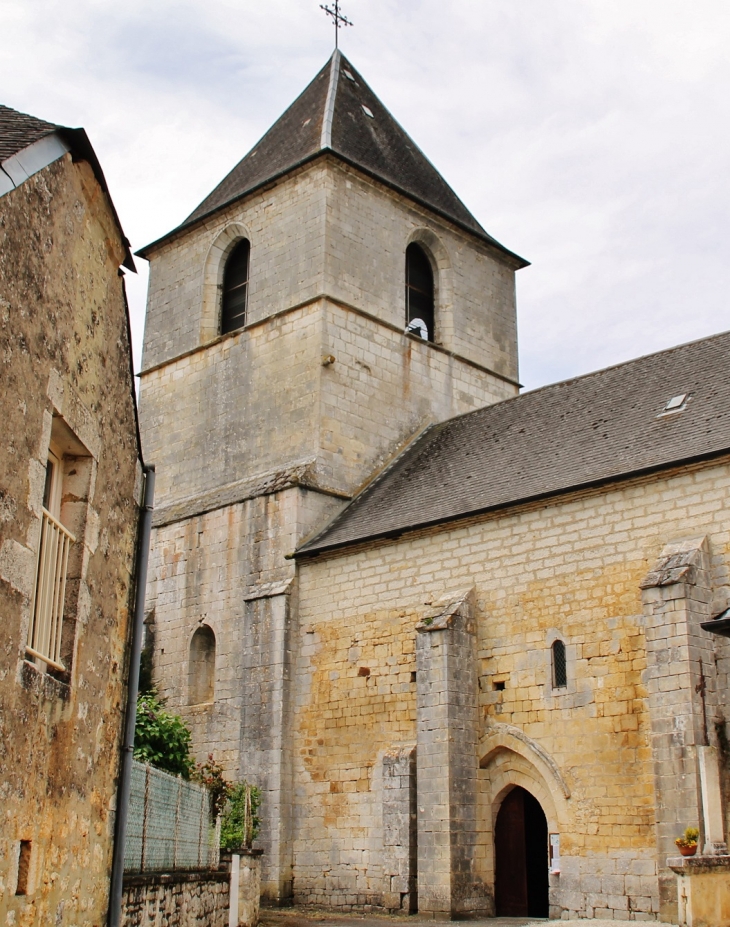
327,229
400,843
285,225
262,400
65,372
447,827
568,568
682,690
225,569
178,899
365,249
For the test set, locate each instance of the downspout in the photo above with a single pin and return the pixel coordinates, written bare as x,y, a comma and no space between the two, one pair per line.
125,773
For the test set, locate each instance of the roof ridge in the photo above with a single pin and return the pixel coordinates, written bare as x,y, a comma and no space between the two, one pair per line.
325,140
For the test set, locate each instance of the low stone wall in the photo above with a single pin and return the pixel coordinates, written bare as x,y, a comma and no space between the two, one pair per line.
245,888
176,899
703,889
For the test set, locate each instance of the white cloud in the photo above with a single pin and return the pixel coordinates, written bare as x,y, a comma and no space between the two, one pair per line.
590,137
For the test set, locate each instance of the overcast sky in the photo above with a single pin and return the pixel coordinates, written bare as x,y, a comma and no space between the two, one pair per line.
590,136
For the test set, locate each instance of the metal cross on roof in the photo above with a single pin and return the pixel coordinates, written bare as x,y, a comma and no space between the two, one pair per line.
338,18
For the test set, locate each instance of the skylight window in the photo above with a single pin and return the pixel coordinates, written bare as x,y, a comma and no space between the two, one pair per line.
349,75
367,111
676,402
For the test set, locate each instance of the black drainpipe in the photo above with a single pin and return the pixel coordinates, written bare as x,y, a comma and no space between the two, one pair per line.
125,773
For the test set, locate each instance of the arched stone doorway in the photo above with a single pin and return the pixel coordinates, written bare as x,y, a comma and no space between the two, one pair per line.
521,857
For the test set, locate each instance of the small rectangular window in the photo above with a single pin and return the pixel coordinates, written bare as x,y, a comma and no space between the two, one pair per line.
21,887
560,669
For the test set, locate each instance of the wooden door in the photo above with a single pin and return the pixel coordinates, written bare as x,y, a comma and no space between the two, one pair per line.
511,857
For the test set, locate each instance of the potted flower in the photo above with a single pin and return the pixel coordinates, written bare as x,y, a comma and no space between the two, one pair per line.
688,842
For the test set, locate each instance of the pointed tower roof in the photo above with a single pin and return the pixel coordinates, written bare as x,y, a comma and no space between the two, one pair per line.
339,114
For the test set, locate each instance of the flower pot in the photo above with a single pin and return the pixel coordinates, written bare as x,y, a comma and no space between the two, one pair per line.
688,851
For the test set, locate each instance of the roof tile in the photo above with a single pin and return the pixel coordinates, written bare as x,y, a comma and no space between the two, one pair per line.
581,432
340,114
18,130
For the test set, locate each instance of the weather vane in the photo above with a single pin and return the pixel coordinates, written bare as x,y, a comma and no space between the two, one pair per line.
338,18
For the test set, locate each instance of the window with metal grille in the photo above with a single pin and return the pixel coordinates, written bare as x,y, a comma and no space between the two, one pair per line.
560,668
419,293
46,627
235,288
60,563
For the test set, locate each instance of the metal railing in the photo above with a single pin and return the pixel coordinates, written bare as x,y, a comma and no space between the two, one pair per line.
44,640
169,825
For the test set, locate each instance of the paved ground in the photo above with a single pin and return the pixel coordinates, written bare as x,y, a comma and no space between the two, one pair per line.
314,917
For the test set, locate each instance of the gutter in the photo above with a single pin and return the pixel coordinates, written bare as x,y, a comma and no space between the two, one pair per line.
125,772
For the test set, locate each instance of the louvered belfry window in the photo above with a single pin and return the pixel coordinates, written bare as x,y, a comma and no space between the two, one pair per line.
419,293
560,667
235,288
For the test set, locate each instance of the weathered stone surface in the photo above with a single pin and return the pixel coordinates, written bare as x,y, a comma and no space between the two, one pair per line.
180,899
571,569
245,888
65,370
259,436
329,670
703,890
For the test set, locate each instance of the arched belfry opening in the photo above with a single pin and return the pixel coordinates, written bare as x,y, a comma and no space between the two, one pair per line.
201,667
420,300
521,857
235,288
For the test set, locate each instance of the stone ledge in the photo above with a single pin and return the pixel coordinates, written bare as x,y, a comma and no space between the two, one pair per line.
300,474
692,865
174,878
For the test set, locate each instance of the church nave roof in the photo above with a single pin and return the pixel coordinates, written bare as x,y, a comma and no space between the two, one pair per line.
639,417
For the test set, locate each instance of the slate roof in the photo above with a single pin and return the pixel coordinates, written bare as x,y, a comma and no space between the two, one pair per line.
18,130
604,426
330,116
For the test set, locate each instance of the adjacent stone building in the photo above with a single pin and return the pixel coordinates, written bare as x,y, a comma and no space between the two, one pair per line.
480,684
69,473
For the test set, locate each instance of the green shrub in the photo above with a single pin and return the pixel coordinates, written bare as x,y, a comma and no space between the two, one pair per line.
240,822
161,738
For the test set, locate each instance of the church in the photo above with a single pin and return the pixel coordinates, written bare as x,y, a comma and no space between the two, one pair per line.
454,633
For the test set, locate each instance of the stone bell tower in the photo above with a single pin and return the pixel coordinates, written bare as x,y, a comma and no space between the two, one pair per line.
263,419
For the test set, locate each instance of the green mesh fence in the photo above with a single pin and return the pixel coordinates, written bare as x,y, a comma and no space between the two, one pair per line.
169,825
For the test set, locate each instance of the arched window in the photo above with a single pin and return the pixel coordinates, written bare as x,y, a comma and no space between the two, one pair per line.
201,667
235,288
419,293
560,667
